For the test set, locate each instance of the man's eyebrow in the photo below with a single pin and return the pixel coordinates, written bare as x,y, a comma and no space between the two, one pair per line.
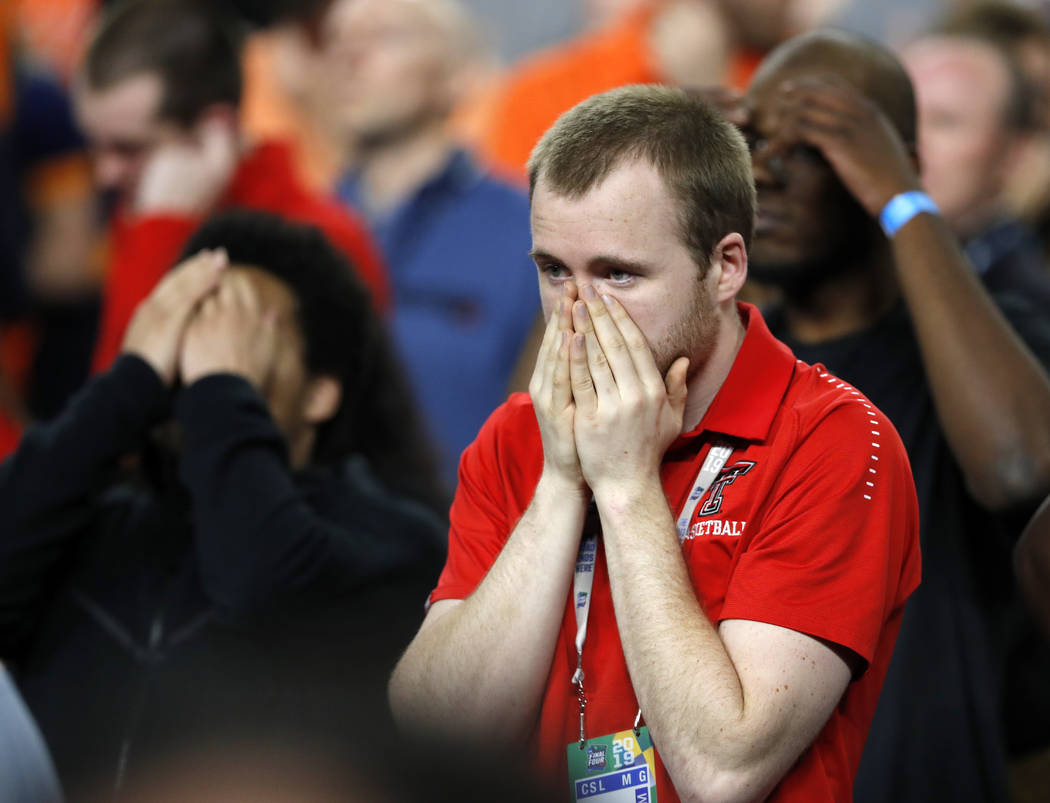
602,261
536,254
619,263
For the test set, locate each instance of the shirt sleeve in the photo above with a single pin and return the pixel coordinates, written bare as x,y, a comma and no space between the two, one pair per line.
258,535
50,486
837,552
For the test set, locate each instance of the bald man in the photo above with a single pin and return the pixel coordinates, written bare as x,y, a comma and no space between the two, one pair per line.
875,288
456,239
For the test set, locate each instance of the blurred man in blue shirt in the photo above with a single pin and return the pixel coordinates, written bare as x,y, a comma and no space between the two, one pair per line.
456,240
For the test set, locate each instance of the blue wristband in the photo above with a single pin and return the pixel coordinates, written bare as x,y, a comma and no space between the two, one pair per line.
903,208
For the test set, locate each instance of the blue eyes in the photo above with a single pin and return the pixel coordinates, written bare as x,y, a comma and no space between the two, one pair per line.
556,272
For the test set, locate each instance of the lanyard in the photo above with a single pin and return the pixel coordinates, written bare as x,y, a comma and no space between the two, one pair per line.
583,578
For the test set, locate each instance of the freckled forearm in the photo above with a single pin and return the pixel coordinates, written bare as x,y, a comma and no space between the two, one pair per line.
685,681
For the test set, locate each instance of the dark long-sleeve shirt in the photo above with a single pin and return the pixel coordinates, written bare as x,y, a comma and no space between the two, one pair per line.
142,609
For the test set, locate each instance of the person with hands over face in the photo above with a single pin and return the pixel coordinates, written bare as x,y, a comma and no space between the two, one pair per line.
678,565
158,98
256,568
874,286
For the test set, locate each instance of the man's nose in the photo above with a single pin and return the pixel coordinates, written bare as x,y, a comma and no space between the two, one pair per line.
600,286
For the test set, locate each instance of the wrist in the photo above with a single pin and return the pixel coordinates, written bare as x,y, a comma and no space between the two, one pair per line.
161,367
902,207
624,493
566,488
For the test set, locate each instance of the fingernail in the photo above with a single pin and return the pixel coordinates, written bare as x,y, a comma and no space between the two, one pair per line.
578,339
580,309
608,299
588,293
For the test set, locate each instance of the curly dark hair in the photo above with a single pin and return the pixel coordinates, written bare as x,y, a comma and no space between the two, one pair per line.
344,338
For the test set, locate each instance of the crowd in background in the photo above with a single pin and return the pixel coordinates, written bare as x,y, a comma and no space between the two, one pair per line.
401,130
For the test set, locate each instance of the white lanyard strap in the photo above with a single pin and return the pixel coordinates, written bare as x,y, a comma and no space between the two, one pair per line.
582,583
716,458
583,579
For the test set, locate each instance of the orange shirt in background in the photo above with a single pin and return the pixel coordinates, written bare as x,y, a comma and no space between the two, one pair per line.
534,94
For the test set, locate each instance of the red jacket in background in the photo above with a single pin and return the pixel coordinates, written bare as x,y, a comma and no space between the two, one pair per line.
144,248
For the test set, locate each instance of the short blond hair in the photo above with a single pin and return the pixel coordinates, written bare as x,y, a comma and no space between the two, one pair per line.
701,157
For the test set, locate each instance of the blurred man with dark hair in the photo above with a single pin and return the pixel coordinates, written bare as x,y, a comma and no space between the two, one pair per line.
158,98
263,563
875,287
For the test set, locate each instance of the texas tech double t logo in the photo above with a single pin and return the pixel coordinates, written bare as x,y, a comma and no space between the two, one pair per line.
713,501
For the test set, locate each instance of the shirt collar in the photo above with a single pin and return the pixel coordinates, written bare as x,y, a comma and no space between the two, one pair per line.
750,396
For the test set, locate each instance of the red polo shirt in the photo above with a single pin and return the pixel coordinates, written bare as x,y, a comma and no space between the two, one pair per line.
812,525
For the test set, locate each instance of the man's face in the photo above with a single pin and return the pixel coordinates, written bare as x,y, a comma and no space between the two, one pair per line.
123,128
961,89
622,238
806,218
392,66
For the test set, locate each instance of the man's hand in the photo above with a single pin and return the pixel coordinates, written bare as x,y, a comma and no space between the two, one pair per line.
551,395
626,413
187,178
231,334
852,133
157,327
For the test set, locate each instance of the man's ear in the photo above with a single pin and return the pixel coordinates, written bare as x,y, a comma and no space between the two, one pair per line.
323,395
729,259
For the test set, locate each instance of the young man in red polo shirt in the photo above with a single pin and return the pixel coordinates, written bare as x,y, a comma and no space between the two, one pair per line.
720,625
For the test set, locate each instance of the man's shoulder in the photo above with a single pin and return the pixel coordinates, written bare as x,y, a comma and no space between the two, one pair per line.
508,442
824,406
513,423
